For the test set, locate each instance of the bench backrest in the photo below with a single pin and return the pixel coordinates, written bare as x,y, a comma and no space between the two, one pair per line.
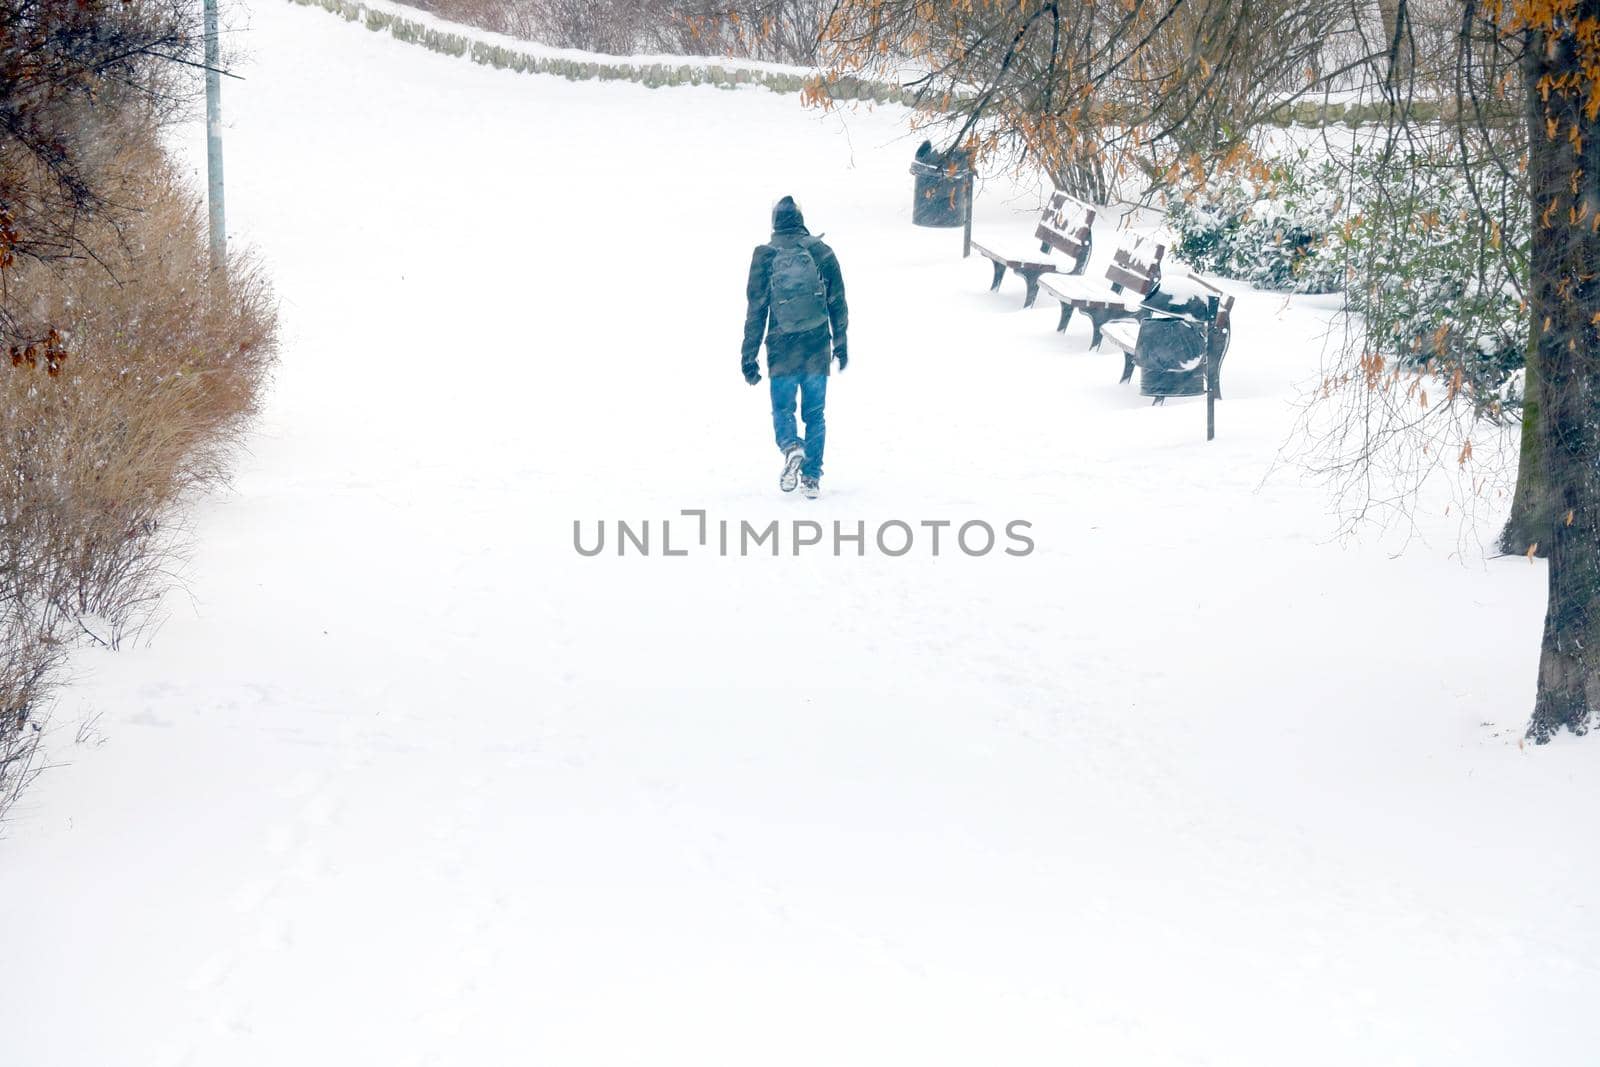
1065,226
1137,265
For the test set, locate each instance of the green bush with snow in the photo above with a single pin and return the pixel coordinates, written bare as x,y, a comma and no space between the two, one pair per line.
1446,258
1442,256
1271,223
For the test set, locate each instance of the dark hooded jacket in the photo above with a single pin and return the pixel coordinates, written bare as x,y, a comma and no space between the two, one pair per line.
810,352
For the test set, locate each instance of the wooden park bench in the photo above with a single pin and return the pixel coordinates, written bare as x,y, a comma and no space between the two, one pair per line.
1065,226
1189,298
1135,270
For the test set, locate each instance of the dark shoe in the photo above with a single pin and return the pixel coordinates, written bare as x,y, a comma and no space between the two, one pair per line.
791,468
810,488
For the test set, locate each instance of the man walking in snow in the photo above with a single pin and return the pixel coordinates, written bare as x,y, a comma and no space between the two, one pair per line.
796,299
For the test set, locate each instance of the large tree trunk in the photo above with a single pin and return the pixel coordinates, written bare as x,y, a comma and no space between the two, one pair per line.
1564,173
1533,507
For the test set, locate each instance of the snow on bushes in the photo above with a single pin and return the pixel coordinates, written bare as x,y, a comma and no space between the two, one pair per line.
1270,223
1446,255
1447,259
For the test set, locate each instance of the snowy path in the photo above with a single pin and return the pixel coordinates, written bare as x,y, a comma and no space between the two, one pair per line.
410,782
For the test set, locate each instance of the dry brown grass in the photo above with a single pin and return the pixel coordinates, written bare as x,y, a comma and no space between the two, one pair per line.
159,367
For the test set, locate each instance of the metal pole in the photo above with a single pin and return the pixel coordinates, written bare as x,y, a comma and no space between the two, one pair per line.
219,230
966,220
1211,369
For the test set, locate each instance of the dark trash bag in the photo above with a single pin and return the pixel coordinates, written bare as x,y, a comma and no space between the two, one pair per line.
1173,301
1171,358
939,197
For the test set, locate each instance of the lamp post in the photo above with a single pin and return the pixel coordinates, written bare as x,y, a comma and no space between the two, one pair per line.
219,232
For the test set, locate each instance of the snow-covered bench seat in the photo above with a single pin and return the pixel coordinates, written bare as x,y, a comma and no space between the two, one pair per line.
1065,226
1186,299
1124,333
1135,270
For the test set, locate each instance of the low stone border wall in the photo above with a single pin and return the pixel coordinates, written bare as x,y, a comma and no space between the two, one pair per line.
483,47
466,44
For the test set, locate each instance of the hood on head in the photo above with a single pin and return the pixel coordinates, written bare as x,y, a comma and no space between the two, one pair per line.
786,217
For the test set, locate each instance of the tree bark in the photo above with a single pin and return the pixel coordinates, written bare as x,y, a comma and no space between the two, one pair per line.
1564,178
1398,39
1530,525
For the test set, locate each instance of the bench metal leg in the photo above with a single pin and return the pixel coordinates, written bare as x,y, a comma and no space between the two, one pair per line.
1127,368
999,272
1099,317
1066,317
1158,402
1032,278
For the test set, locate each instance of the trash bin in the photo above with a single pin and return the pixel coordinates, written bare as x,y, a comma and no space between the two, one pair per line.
1172,341
1171,358
943,184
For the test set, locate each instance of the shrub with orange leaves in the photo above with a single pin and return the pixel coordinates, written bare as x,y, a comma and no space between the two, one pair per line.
135,397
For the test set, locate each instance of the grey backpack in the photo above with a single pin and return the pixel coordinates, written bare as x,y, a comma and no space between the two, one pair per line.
799,301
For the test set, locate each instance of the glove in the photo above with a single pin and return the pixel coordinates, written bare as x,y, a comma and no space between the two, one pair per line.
751,374
842,356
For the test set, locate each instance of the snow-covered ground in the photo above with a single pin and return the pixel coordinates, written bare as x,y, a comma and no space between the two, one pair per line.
403,779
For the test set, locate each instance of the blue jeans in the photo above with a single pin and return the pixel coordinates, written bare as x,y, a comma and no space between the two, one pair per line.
813,390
